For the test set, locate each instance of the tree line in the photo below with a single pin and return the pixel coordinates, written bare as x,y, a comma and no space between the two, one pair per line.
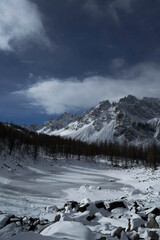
17,138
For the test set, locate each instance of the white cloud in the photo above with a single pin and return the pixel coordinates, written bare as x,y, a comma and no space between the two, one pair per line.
20,20
57,96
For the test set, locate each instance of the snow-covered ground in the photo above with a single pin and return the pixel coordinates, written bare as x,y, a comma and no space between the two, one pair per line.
29,188
36,185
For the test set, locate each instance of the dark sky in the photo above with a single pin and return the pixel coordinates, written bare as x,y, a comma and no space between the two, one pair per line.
67,55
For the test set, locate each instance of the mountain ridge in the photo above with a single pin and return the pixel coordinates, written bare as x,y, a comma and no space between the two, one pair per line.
130,119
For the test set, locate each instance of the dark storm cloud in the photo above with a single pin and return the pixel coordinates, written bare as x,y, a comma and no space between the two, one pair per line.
99,46
101,9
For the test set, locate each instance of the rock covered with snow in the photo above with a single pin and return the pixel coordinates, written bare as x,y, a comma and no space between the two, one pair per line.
4,218
68,230
87,220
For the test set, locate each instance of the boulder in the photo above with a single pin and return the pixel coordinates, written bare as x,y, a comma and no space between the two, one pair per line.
116,204
3,220
117,232
102,238
153,235
100,204
15,219
74,204
57,218
152,223
136,237
90,218
68,230
156,211
25,220
123,235
82,208
32,228
136,223
71,204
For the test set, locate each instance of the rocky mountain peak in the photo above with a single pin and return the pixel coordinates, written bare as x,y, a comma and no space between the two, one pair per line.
128,99
104,105
140,109
131,119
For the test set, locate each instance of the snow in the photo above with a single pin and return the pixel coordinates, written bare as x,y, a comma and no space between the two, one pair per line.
31,236
9,230
68,230
55,182
39,188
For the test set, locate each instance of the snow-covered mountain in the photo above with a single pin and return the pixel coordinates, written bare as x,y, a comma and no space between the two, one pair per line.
131,119
55,124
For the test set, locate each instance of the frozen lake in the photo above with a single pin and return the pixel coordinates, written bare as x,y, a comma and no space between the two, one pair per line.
29,190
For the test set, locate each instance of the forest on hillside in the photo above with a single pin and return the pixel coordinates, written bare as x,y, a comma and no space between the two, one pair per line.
17,138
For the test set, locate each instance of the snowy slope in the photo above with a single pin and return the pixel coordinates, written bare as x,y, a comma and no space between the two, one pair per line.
61,122
131,119
80,194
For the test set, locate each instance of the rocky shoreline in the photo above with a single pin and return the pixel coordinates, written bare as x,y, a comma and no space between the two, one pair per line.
104,221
